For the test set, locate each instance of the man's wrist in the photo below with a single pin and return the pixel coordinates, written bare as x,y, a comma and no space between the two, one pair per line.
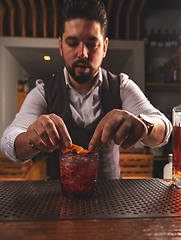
147,121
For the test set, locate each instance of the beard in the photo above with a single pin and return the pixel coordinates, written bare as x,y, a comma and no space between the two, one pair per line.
81,77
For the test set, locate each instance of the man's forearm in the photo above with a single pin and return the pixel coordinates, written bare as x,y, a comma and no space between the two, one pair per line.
22,147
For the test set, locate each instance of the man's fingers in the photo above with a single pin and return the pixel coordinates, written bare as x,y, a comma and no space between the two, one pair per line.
94,146
104,132
36,140
48,133
109,130
122,132
118,125
62,131
134,136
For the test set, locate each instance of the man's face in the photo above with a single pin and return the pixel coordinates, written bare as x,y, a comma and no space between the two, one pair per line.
83,48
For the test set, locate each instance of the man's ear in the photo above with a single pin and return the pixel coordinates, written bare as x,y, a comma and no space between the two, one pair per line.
60,46
105,46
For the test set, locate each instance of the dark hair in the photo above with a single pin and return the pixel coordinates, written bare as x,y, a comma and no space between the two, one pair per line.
93,10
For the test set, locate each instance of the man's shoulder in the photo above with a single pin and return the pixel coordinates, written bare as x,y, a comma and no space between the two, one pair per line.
108,75
122,79
121,74
107,72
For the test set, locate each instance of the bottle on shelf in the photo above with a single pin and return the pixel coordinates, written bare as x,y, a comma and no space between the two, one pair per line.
149,73
175,39
176,70
168,41
145,38
161,73
168,72
171,70
167,170
160,39
179,38
152,39
20,85
26,84
31,83
159,66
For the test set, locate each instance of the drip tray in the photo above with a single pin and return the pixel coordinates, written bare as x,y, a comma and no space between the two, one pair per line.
130,198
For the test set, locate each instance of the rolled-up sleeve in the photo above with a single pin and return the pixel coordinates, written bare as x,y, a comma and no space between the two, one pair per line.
135,102
33,106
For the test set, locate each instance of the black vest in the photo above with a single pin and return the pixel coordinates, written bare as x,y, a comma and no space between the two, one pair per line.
57,102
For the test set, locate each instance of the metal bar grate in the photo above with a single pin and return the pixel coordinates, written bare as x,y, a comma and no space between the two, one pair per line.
129,198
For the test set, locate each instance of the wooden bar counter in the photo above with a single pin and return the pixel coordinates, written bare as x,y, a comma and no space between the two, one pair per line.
88,229
114,229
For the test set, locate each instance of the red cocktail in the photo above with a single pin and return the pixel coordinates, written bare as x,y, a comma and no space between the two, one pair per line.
177,153
78,174
176,120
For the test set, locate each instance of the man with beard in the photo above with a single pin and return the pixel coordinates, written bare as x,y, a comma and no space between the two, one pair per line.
84,104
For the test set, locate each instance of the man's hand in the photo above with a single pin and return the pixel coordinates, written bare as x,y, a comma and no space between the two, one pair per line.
122,127
49,133
46,134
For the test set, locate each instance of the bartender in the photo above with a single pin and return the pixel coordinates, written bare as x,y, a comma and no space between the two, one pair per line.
84,104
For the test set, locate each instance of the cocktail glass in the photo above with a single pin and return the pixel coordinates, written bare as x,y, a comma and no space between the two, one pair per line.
176,171
78,174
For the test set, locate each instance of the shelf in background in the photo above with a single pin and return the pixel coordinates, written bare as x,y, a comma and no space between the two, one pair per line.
165,52
160,159
163,86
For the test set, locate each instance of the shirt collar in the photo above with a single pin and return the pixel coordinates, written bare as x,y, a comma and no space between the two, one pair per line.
98,83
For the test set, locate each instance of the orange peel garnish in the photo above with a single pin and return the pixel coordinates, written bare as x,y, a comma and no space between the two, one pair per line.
80,150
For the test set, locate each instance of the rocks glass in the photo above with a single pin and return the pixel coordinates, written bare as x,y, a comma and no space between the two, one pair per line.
176,171
78,174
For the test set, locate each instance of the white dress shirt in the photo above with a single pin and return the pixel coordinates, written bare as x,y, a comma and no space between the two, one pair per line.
85,109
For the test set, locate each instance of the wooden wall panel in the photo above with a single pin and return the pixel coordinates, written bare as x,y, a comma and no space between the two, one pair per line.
12,17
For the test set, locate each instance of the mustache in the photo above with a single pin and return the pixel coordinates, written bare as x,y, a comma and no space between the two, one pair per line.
83,61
